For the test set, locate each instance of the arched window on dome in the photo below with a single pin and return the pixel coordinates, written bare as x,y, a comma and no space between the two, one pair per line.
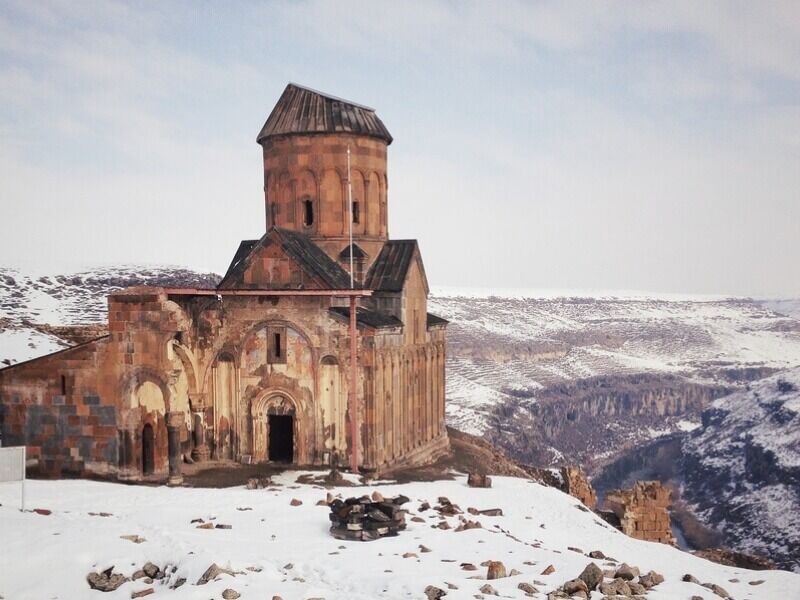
308,212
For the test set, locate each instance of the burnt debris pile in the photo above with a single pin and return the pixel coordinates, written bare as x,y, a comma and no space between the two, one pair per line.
365,520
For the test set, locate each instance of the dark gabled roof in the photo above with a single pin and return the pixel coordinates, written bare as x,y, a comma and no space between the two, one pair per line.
434,320
367,317
245,246
388,272
358,253
303,110
301,249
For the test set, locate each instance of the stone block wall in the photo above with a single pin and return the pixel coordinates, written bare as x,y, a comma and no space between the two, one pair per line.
643,511
575,483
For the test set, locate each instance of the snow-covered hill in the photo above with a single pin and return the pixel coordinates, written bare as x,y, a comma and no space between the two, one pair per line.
503,348
277,549
742,468
27,300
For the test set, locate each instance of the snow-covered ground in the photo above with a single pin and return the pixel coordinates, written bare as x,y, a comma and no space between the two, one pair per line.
48,557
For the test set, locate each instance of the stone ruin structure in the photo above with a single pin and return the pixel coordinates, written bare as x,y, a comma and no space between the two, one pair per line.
577,485
310,351
643,511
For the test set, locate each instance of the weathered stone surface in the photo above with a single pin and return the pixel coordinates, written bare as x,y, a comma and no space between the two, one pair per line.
496,570
651,579
574,585
527,588
690,578
643,511
136,539
627,572
107,581
592,576
479,480
617,587
150,570
142,593
549,569
717,589
230,594
577,485
489,590
212,573
434,593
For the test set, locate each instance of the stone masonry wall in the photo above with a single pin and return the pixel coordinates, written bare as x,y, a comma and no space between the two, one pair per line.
643,511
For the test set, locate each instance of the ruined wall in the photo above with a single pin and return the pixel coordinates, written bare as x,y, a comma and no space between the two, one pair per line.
643,511
575,483
53,406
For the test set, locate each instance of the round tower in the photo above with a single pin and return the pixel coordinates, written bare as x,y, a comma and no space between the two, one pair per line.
305,145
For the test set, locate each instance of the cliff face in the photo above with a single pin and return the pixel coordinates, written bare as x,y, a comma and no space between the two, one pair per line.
592,420
742,468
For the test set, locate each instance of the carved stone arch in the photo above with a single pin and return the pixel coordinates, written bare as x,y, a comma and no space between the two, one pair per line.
131,382
329,359
186,356
279,401
223,349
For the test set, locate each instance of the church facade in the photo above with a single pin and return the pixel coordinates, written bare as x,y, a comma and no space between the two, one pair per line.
310,351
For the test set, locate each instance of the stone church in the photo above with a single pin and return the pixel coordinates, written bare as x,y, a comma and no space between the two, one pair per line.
310,351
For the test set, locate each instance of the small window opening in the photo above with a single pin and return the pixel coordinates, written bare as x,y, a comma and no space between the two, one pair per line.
277,342
356,213
308,212
276,339
63,385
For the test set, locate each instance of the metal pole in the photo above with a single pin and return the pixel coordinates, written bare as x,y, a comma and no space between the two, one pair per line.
350,212
353,382
24,463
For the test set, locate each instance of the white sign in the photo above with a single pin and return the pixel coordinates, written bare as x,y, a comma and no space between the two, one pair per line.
12,467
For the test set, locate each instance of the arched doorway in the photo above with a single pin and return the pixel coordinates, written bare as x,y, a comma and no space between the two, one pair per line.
148,450
281,438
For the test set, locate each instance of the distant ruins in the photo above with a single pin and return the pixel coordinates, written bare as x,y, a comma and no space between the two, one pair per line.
310,351
643,511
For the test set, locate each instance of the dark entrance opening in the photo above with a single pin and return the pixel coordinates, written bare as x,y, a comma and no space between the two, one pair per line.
281,438
148,450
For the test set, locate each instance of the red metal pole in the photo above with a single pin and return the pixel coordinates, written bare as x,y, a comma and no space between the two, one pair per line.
353,383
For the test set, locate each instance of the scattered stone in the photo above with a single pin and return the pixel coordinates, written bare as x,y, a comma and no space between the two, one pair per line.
243,508
42,511
597,554
255,569
690,579
496,570
618,587
514,573
143,593
150,570
205,526
697,598
417,519
756,582
550,569
322,503
578,550
178,583
138,575
410,555
100,514
136,539
718,590
637,588
423,548
469,525
377,496
451,586
288,566
434,593
468,567
573,586
212,573
627,572
107,581
486,588
230,594
479,480
424,506
527,588
592,576
364,520
296,502
258,483
651,579
222,526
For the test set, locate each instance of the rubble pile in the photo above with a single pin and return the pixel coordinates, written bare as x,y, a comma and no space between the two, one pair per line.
365,520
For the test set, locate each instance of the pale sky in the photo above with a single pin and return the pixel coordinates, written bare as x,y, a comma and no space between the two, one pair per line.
575,145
